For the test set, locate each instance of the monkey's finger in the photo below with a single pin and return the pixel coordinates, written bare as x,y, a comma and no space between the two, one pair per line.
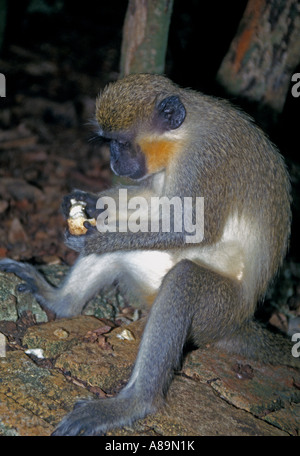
78,195
66,205
90,228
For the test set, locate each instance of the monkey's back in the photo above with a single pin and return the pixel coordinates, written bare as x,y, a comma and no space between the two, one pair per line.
245,185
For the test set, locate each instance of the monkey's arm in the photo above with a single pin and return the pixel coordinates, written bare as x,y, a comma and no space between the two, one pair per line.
178,223
100,243
153,226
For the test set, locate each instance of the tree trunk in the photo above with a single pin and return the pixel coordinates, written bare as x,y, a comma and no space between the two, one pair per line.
264,53
145,36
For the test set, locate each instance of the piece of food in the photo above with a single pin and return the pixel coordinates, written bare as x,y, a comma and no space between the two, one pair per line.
77,217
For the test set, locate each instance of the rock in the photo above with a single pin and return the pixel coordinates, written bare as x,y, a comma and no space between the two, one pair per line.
106,368
16,420
8,308
249,385
195,401
194,409
214,394
48,336
286,421
32,399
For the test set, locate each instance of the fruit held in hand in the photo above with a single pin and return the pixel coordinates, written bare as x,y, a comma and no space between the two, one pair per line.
77,217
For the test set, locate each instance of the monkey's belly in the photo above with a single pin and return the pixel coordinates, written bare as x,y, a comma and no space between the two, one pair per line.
148,267
226,258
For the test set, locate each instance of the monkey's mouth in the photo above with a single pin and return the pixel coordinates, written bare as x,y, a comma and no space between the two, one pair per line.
131,168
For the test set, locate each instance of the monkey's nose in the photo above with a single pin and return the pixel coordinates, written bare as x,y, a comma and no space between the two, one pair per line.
114,150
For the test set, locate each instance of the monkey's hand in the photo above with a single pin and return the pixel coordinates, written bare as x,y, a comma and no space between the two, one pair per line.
77,227
89,199
78,242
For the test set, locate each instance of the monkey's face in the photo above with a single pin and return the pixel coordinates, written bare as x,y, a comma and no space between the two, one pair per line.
138,115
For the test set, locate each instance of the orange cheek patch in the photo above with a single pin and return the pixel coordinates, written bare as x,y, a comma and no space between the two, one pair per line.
158,153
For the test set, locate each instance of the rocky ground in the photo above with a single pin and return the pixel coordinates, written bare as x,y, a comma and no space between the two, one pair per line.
46,367
213,394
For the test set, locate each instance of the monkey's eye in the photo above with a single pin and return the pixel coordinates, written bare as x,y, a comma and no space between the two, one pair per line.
105,141
101,140
124,144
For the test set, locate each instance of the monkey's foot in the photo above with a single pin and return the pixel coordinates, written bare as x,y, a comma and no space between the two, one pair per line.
96,417
34,282
25,271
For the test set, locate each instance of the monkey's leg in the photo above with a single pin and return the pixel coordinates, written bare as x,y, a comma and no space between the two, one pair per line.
252,340
193,302
88,275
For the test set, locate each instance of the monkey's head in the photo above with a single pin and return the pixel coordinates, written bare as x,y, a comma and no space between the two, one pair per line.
141,116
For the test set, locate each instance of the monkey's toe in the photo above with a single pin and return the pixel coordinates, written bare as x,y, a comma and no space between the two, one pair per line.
23,271
96,417
8,265
81,421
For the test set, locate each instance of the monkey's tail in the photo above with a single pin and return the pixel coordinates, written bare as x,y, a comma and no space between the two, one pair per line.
255,341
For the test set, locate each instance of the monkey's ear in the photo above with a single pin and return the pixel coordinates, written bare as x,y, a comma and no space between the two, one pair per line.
171,113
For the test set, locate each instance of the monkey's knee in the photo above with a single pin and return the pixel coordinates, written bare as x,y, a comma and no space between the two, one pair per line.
178,292
214,302
202,283
185,271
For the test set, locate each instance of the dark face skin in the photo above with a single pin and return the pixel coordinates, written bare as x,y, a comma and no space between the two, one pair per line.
126,160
